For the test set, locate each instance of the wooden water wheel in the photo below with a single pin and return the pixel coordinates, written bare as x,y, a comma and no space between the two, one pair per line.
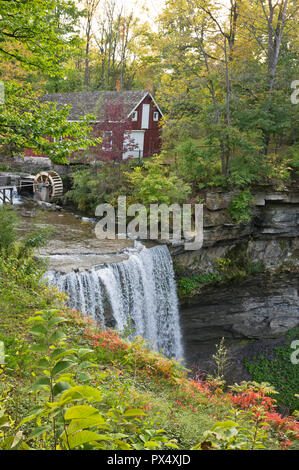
52,180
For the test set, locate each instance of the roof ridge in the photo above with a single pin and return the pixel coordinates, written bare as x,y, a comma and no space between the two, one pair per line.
93,102
97,91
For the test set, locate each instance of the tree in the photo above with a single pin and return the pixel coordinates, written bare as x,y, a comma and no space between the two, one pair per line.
222,80
90,11
38,33
117,37
273,26
26,122
203,43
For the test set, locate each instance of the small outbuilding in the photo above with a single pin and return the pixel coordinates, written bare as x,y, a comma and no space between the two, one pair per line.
127,121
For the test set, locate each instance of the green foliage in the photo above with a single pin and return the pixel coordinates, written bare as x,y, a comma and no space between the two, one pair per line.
237,265
154,183
246,432
280,372
222,361
95,185
38,34
70,413
241,207
17,261
17,359
219,92
26,122
233,268
21,286
294,157
75,402
66,384
8,235
248,170
8,439
199,164
263,388
278,169
192,284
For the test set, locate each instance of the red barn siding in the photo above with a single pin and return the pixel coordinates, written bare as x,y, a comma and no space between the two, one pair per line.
152,136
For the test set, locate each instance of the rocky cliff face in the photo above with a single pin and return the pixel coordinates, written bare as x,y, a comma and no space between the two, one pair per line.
253,313
271,237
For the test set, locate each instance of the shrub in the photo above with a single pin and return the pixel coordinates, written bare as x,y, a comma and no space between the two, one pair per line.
154,183
280,372
199,164
191,285
94,185
241,207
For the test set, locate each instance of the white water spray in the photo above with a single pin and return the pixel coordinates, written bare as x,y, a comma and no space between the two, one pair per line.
16,199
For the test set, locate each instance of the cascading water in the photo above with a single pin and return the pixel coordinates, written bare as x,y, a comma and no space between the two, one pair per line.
16,199
140,289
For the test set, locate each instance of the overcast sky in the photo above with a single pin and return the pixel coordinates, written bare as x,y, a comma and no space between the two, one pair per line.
146,10
154,7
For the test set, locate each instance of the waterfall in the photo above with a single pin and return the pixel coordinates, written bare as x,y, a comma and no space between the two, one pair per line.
140,291
16,199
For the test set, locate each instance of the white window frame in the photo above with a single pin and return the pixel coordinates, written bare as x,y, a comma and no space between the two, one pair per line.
135,116
145,116
156,116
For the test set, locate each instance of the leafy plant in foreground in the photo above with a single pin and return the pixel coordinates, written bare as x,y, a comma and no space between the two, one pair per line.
70,412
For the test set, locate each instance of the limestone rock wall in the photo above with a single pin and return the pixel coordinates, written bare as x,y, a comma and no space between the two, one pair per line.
254,313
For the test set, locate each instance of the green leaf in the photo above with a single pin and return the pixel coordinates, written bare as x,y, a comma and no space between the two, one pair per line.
94,421
39,430
83,437
138,446
60,366
57,336
37,411
80,411
172,445
134,412
81,391
83,377
56,320
43,363
40,383
38,330
122,445
60,387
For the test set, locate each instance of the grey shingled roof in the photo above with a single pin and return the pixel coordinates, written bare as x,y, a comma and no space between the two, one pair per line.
93,102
